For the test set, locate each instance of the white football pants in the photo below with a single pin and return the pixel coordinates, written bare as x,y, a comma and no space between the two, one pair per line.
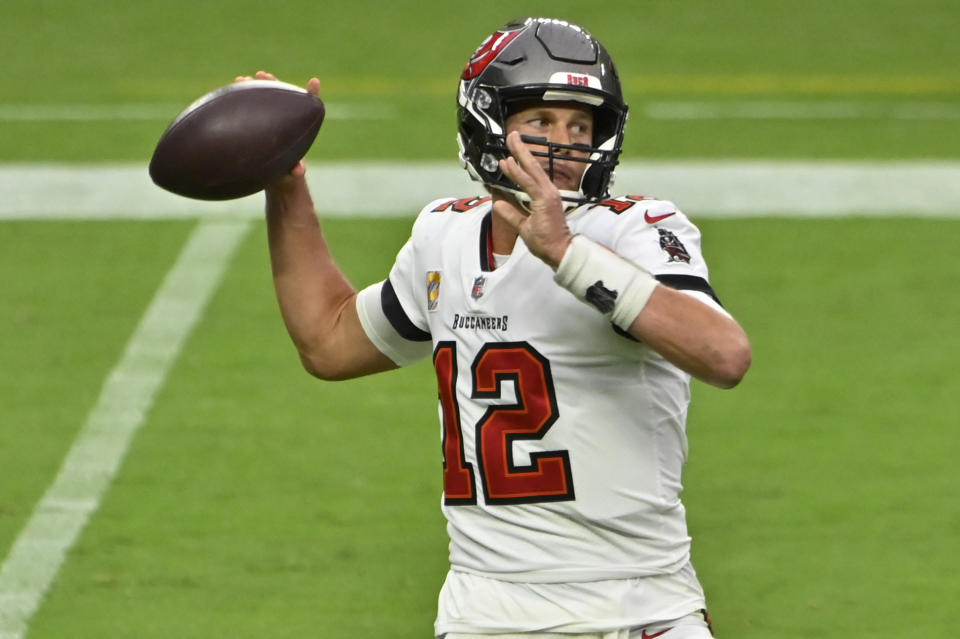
693,626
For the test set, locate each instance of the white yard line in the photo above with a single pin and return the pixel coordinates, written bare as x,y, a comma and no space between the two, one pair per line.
707,188
125,399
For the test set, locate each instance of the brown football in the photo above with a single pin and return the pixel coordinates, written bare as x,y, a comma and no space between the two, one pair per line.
234,141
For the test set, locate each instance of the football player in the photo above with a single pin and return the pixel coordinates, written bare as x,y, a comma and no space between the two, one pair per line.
564,325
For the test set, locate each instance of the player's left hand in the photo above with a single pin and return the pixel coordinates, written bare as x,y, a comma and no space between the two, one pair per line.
544,227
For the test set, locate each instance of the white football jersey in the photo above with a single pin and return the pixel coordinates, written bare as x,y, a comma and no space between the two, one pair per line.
563,437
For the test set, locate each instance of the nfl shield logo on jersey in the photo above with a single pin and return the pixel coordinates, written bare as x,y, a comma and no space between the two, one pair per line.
478,283
433,290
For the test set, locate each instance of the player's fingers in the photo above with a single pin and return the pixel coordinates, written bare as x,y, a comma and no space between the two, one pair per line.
313,86
526,160
299,170
265,75
528,184
512,169
531,177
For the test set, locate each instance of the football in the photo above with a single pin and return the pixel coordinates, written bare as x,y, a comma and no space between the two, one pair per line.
234,141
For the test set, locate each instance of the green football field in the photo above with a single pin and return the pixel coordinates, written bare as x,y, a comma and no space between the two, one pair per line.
254,501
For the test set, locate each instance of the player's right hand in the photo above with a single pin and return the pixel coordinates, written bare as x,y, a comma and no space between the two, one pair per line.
313,87
544,227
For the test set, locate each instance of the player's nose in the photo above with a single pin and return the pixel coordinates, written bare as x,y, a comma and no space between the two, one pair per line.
560,135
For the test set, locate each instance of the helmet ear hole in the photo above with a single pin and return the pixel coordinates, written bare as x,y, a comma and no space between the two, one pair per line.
489,163
478,149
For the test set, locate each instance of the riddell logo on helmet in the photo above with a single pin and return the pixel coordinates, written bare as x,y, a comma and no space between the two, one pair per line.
576,79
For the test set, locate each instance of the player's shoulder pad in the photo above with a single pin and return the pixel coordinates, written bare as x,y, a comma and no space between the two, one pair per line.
456,205
643,210
444,211
634,205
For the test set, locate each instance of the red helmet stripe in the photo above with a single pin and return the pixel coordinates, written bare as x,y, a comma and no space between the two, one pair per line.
488,52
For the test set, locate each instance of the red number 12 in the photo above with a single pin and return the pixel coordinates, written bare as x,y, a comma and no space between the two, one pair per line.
548,476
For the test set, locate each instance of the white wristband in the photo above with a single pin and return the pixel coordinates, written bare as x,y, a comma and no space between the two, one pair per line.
617,287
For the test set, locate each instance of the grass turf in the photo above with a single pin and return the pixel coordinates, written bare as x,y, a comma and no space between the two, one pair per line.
258,501
402,60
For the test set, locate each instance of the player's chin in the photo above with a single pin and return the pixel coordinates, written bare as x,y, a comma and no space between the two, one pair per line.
566,182
567,176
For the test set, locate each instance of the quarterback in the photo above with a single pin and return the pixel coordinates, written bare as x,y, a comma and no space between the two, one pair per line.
564,324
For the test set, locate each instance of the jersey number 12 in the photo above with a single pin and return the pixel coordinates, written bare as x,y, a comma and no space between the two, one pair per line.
548,476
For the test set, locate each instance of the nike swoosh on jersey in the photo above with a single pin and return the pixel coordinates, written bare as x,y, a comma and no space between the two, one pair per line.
653,219
644,635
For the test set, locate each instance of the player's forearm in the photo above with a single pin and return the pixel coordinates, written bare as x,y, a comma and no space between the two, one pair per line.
311,289
688,333
694,337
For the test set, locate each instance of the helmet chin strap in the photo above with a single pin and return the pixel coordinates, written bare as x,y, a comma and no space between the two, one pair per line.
591,178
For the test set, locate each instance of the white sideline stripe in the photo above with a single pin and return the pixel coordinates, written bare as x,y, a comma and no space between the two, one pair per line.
798,110
705,188
158,112
99,448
